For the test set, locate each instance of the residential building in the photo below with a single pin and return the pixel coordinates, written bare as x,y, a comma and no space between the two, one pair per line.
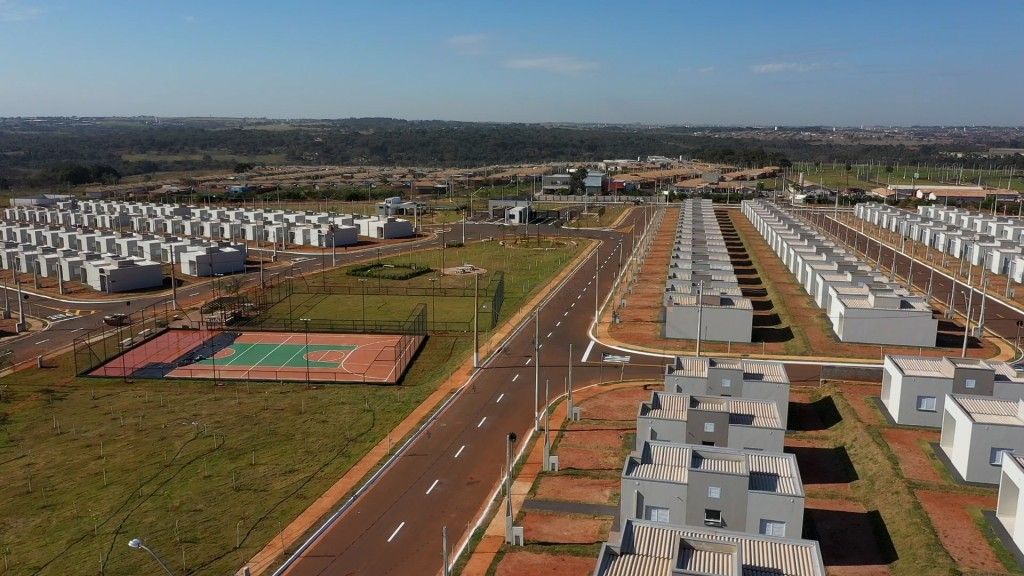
731,377
978,431
710,421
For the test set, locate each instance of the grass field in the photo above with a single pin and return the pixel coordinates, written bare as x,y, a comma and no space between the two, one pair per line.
875,176
88,464
544,260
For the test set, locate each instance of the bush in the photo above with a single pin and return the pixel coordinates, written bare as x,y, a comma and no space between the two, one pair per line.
390,271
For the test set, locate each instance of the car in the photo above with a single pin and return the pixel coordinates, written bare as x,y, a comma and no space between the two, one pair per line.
117,320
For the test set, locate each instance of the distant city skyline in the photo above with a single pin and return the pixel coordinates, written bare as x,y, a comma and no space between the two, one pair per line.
797,63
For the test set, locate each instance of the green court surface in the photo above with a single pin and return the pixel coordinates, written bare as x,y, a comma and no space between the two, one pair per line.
277,355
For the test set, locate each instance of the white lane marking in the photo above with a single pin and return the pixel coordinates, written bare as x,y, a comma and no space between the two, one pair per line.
573,305
43,340
460,450
549,334
77,329
528,360
557,324
516,377
578,297
429,490
482,420
395,533
193,294
499,398
564,314
586,354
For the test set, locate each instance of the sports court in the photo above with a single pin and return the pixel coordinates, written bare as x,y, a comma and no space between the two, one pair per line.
275,356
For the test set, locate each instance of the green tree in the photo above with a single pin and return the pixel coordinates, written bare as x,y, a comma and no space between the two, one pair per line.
576,181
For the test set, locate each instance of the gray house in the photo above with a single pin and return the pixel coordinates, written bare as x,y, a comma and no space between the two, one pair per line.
723,317
735,377
710,421
652,549
978,432
738,490
914,388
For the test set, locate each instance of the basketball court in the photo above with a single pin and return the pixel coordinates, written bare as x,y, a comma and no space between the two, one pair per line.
275,356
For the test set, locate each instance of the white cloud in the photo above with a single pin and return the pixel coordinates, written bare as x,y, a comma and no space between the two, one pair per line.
778,67
470,44
15,11
552,64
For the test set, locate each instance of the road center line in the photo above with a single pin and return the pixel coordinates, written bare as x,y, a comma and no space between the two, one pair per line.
516,377
193,294
431,489
528,360
557,324
482,420
395,533
460,450
566,313
499,398
44,340
586,353
549,334
573,305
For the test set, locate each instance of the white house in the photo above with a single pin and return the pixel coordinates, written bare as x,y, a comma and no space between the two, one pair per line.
978,431
1010,506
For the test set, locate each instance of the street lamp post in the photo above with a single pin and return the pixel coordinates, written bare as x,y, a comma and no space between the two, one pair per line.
1020,323
137,544
363,282
306,352
510,440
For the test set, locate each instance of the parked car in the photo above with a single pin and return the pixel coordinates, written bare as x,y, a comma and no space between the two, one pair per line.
117,320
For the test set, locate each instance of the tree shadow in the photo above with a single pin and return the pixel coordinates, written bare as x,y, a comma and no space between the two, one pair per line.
850,538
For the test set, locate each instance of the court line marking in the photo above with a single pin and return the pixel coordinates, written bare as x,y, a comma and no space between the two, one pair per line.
269,353
429,490
395,533
460,450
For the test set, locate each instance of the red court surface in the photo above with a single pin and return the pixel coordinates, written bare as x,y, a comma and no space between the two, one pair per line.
274,356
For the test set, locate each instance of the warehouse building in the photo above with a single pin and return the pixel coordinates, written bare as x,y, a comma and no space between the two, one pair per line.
914,388
687,485
653,549
978,431
710,421
731,377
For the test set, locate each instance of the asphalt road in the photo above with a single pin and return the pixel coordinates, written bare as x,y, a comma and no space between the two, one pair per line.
999,317
450,471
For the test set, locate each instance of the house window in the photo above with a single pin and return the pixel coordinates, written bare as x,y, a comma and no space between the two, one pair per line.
970,383
726,382
995,457
714,492
709,426
656,514
926,403
712,517
773,528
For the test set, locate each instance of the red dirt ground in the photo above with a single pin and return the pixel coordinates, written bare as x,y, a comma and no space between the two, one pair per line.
578,489
848,545
587,448
860,398
552,528
621,405
957,530
914,461
523,563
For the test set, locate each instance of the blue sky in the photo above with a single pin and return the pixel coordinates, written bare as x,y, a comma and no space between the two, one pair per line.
687,61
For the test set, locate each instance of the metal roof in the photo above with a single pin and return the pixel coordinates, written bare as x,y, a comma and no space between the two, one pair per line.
674,406
651,549
753,370
987,410
672,462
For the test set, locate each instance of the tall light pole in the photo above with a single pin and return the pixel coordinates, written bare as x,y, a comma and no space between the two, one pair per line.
306,352
967,322
700,313
363,282
137,544
510,440
536,370
597,283
476,320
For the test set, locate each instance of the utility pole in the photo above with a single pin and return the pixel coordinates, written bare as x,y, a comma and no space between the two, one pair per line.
21,326
536,369
476,320
597,283
444,552
700,313
568,391
510,439
967,322
174,284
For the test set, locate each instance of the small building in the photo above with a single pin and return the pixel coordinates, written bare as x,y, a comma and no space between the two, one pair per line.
722,317
884,316
731,377
687,485
211,260
384,227
914,388
710,421
653,549
1010,506
121,274
555,183
978,431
